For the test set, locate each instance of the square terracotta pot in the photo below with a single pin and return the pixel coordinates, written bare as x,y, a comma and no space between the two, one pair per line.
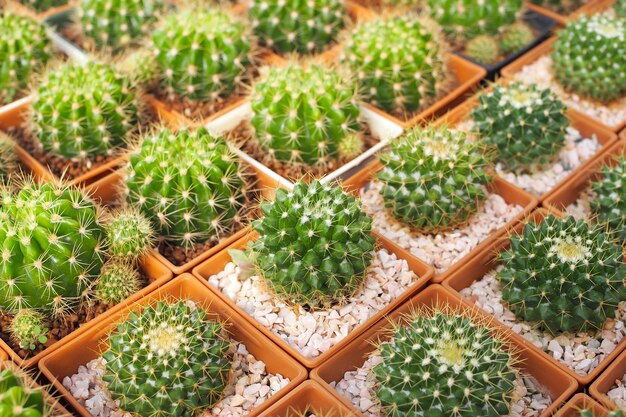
579,402
308,397
217,263
588,8
559,385
66,360
605,382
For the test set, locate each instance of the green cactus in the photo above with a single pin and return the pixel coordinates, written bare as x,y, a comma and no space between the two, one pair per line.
24,48
589,57
18,396
118,280
303,26
578,261
620,8
483,49
524,123
84,111
28,329
8,157
302,115
202,54
609,204
140,66
167,360
43,5
188,183
129,234
445,364
589,413
433,178
515,37
314,246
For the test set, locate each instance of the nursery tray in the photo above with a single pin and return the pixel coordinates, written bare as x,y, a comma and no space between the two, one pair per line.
605,382
308,397
579,402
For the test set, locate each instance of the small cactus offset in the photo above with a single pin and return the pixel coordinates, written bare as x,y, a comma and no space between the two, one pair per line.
515,37
433,178
609,203
8,157
177,345
483,49
568,257
303,26
302,115
118,280
589,57
525,123
129,234
28,329
445,364
314,246
140,66
18,396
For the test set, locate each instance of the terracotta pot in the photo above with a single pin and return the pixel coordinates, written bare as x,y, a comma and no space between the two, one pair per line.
605,382
66,360
507,191
588,8
559,385
217,263
579,402
308,397
157,275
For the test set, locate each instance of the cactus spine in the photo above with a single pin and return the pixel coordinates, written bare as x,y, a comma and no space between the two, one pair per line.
118,280
129,234
609,204
483,49
28,329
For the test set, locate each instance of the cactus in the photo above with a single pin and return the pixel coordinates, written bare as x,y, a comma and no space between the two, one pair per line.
314,246
589,413
24,48
589,57
28,329
129,234
43,5
483,49
445,364
302,115
620,8
83,111
19,397
567,257
400,62
303,26
433,178
118,280
515,37
201,54
140,66
609,204
525,123
188,183
167,360
8,157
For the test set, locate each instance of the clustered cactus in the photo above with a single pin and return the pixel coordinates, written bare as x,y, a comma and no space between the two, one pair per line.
19,398
28,328
609,202
8,157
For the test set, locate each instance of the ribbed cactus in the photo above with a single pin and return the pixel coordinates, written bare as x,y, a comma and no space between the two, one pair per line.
568,257
609,203
590,57
129,234
118,280
524,123
515,37
433,178
303,26
28,329
445,364
84,111
315,244
399,62
140,66
8,157
18,396
167,360
302,115
483,49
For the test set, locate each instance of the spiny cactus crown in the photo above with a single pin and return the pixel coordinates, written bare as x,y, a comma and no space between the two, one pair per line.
445,364
433,178
567,257
315,244
609,203
140,66
118,280
18,397
168,360
515,37
8,157
28,329
483,49
129,233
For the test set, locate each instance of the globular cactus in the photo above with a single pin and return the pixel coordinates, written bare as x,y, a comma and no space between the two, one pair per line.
433,178
302,115
28,329
83,111
314,246
118,280
18,396
589,413
445,364
167,360
568,257
140,66
400,62
24,48
483,49
525,123
202,54
188,183
303,26
589,57
515,37
52,246
129,234
8,157
609,203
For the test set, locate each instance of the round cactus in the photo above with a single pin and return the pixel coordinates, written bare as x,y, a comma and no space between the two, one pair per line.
315,244
567,257
483,49
188,183
609,204
515,37
303,26
445,364
8,157
140,66
83,111
167,360
433,178
28,329
399,62
129,234
302,115
525,123
589,57
620,8
18,396
118,280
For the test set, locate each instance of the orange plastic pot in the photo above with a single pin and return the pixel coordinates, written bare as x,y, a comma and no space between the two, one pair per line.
308,397
66,360
581,402
602,385
216,264
588,8
557,384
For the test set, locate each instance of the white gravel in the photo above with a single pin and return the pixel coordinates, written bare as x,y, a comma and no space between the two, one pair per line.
581,352
314,332
441,250
617,393
581,209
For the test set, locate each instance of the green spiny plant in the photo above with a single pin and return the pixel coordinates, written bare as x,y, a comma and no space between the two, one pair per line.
43,5
589,413
620,8
589,57
8,157
167,360
140,66
303,26
28,329
568,257
483,49
302,115
609,203
516,36
525,123
118,280
433,178
19,397
129,233
561,6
